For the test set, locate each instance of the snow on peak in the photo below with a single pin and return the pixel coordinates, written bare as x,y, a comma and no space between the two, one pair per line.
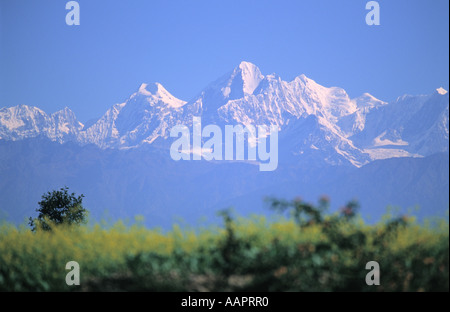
368,100
158,92
24,121
247,66
22,110
151,88
243,80
441,91
303,79
369,96
308,82
65,111
251,76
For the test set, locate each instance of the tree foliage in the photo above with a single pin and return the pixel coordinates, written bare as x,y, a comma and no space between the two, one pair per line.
59,207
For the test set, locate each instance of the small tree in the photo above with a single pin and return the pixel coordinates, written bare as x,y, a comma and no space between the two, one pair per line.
59,207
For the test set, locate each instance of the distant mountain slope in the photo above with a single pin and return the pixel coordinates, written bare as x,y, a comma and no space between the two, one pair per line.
126,183
345,131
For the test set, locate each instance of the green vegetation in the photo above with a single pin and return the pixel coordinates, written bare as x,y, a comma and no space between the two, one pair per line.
306,251
59,207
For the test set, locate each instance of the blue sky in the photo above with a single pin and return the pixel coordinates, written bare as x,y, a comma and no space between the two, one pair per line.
187,44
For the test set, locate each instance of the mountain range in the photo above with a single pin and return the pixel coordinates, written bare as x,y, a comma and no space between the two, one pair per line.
323,135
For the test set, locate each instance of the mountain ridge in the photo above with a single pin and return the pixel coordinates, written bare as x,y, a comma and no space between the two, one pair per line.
361,129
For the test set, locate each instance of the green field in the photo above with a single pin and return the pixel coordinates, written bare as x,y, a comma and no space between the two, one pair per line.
245,254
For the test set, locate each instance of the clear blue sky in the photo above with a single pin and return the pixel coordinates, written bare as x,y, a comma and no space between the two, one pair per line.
187,44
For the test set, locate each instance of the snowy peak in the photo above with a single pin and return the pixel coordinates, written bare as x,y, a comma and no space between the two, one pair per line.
22,111
150,89
441,91
304,80
158,93
146,115
250,75
67,116
410,126
64,126
368,101
309,84
65,113
22,121
333,102
244,79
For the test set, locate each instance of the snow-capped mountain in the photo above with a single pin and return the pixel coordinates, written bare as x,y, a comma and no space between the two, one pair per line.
21,122
312,119
146,115
411,125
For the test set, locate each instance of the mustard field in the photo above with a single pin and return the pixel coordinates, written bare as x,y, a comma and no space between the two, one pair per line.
245,254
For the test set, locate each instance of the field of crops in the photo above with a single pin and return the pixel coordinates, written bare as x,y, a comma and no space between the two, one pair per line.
252,254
